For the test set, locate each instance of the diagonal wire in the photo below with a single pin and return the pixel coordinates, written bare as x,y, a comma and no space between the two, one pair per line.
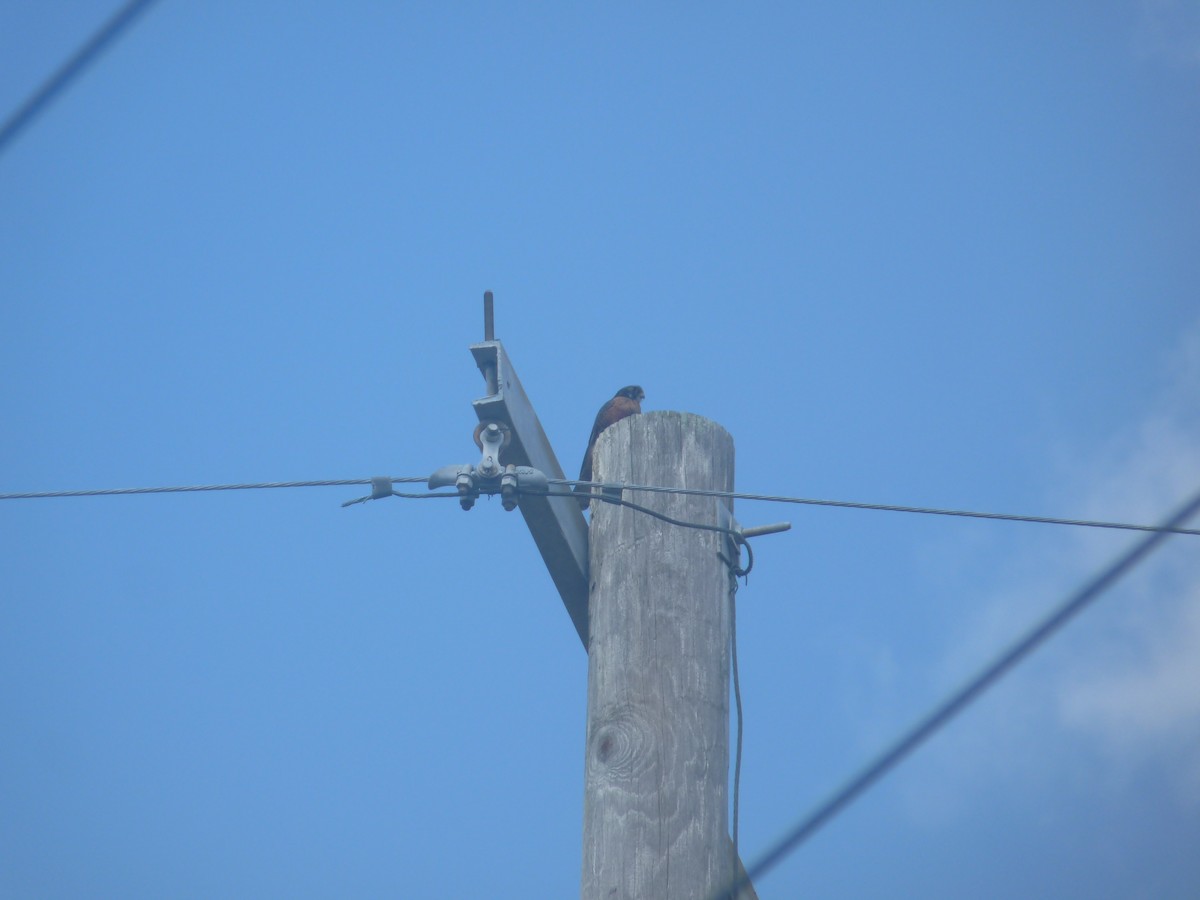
70,69
940,715
885,507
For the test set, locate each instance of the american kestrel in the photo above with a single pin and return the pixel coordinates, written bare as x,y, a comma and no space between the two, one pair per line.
626,402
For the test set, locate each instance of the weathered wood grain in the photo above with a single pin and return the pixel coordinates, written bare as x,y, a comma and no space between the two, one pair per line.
657,751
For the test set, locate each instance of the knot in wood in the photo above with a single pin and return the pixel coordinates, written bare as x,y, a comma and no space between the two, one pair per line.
624,745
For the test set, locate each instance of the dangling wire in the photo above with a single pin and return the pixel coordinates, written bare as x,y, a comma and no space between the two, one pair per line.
737,698
736,572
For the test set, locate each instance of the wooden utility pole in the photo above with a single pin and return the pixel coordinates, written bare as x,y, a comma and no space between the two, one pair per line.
660,751
657,751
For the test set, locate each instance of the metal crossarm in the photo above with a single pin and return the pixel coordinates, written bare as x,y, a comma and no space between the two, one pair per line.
556,523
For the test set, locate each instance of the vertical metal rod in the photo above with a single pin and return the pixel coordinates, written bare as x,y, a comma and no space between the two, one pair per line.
489,334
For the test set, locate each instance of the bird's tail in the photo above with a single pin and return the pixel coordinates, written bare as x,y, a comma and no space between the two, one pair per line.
585,495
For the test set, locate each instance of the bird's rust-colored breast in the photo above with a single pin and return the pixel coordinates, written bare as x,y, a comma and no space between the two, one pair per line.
627,402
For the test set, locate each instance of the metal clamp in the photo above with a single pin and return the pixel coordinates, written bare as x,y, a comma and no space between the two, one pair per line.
381,486
509,482
508,488
491,437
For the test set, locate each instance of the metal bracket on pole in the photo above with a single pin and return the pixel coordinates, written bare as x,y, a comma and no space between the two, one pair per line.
737,539
556,523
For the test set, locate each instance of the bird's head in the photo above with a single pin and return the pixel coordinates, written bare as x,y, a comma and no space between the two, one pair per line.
633,392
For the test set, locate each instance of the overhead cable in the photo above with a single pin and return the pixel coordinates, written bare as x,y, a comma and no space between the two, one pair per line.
194,488
614,497
70,69
885,507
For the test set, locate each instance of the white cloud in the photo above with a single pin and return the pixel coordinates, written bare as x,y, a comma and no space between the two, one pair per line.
1121,685
1154,696
1138,691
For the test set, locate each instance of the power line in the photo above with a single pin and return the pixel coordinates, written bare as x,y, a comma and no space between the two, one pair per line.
885,507
610,498
954,704
195,488
70,69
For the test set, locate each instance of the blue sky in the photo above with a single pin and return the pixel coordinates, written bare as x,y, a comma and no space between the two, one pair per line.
942,255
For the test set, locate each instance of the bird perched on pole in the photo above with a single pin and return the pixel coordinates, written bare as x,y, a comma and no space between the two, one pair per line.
626,402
